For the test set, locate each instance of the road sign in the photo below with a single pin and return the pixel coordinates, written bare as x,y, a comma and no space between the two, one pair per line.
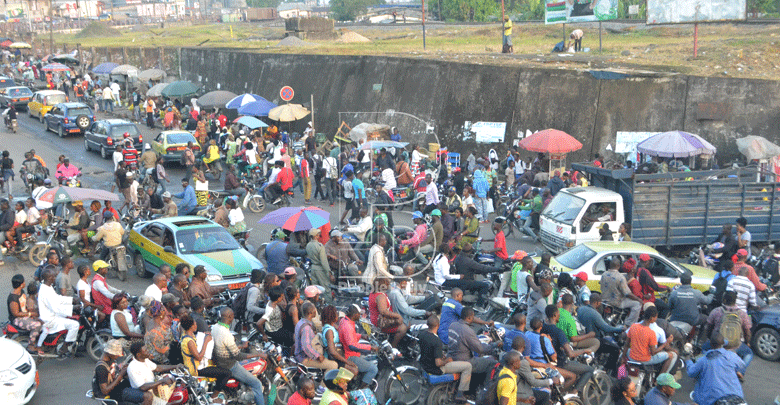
286,93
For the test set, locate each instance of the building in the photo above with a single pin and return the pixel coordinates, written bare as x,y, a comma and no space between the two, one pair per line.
293,10
169,9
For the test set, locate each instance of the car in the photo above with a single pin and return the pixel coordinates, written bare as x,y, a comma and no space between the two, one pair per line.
18,373
171,144
68,118
6,81
194,240
43,101
593,259
103,136
766,332
18,96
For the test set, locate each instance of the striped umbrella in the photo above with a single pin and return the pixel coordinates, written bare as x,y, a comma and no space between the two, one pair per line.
297,218
55,67
240,101
675,144
62,194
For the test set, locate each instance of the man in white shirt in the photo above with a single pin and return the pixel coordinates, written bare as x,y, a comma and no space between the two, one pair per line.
115,93
746,291
331,176
431,195
43,187
117,156
140,372
363,226
54,311
443,276
155,290
376,264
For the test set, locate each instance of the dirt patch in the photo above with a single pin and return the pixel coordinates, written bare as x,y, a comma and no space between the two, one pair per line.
349,37
293,41
98,30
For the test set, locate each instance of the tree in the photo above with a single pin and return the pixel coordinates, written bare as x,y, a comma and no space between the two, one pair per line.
348,10
469,10
755,8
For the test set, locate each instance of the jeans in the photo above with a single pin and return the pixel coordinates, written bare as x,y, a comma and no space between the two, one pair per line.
238,192
109,105
527,227
137,112
2,240
330,189
365,366
241,374
583,371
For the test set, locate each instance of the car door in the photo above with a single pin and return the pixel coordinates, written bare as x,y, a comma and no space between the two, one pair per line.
171,256
50,119
34,105
149,244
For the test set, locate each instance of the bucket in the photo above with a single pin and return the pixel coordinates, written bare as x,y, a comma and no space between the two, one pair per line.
433,147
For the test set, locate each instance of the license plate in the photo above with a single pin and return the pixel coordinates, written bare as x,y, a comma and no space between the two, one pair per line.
24,99
236,286
74,130
402,194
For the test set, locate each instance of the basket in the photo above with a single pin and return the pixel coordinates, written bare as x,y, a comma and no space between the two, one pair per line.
433,147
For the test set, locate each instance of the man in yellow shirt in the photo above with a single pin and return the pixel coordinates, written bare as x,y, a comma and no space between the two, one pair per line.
111,231
507,37
507,383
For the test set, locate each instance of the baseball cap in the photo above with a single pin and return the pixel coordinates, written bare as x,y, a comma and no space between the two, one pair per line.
114,348
647,305
436,213
315,231
290,271
311,291
77,203
166,194
417,214
519,255
742,252
108,214
336,233
644,257
99,264
166,298
453,189
146,300
668,380
582,276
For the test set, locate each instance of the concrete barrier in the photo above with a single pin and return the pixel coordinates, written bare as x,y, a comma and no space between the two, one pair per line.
446,94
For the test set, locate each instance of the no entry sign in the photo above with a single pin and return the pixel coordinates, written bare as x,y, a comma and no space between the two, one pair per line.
286,93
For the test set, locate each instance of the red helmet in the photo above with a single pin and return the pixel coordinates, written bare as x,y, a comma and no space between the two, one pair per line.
126,135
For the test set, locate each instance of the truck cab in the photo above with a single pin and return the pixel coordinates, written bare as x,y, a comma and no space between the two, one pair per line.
575,215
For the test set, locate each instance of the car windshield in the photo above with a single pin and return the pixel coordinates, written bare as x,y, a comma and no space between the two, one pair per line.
564,208
204,240
19,92
55,99
73,112
180,137
117,131
575,257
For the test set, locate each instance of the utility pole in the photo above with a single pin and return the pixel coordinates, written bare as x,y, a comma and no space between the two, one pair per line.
51,27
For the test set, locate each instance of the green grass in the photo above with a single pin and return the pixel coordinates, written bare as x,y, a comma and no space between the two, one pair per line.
738,50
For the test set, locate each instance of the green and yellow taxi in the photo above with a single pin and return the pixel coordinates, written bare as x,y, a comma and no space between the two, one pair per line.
171,144
43,101
194,240
594,257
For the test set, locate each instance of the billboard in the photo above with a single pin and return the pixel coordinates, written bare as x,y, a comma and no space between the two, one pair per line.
572,11
687,11
484,132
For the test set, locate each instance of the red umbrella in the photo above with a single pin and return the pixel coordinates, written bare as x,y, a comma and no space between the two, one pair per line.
551,141
5,43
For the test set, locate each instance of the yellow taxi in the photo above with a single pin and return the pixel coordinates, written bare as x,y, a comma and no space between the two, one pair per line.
43,101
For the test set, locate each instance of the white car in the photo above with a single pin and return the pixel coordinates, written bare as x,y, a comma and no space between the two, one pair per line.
18,374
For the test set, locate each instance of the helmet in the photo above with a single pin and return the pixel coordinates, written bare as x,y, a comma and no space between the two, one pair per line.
417,214
330,378
126,135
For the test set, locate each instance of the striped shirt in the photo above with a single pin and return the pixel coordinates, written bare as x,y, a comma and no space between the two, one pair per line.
746,291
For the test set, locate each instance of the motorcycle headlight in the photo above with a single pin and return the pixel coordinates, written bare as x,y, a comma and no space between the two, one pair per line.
7,375
213,277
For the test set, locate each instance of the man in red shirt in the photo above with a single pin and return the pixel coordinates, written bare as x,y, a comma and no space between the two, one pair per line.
642,343
353,349
499,244
649,285
305,393
284,181
130,155
742,256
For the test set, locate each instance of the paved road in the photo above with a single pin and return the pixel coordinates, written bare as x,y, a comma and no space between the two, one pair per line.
66,382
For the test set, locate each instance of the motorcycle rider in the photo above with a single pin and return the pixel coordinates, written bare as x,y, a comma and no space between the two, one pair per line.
141,370
276,253
565,350
96,221
615,292
418,236
354,351
33,218
336,383
282,183
232,185
169,210
227,354
78,223
684,303
716,373
55,311
9,114
464,345
112,232
32,166
66,171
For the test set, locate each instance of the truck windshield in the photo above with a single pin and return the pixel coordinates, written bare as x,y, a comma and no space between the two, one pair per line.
564,208
575,257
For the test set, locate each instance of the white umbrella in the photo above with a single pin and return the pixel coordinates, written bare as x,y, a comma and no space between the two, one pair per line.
288,112
125,70
156,90
20,45
757,147
152,74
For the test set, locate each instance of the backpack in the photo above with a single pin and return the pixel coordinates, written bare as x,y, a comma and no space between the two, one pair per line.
333,170
731,328
239,302
720,283
183,158
489,394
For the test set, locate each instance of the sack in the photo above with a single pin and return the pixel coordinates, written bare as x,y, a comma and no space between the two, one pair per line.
183,159
489,204
731,328
316,343
239,302
489,394
362,397
559,47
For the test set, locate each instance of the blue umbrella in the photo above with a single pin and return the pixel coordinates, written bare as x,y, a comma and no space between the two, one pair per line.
383,144
259,108
251,122
104,68
240,101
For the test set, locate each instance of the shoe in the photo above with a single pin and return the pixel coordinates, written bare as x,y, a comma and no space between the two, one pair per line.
277,201
460,398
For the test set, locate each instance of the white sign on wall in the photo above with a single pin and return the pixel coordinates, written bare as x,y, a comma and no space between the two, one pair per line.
686,11
488,132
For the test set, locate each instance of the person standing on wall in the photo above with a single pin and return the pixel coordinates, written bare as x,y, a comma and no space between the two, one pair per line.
506,38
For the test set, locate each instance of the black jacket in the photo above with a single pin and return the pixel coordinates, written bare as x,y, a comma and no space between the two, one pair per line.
6,220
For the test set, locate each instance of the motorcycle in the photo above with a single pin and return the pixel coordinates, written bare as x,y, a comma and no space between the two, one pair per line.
557,397
72,181
189,390
57,238
242,237
28,241
252,200
12,124
512,216
92,337
118,259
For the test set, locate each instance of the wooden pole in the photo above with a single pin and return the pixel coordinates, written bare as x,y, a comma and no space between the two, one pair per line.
599,35
312,115
51,27
695,40
564,34
423,22
503,25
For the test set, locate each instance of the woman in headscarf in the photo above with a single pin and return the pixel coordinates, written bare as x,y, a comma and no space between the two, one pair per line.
158,339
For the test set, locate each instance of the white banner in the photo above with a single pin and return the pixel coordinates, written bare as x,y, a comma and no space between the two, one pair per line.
488,132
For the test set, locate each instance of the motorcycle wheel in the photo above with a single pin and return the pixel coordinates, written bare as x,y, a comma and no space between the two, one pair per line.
283,394
95,345
597,390
256,204
507,228
38,253
438,395
410,395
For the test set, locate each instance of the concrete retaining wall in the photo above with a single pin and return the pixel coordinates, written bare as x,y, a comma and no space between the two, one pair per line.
446,94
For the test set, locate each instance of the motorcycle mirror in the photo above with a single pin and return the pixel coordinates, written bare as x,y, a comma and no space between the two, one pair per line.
168,249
